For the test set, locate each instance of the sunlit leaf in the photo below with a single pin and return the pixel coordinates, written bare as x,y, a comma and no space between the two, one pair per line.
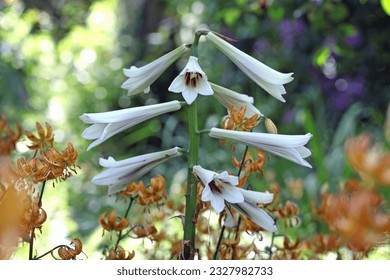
321,56
386,6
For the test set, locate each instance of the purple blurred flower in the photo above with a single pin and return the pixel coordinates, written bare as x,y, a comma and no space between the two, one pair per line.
288,116
354,40
342,91
261,46
289,29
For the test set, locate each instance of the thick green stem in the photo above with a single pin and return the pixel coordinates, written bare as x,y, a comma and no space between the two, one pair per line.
191,195
193,150
195,45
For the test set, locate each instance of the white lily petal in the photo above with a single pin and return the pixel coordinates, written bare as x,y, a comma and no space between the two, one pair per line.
257,197
205,175
141,78
287,146
230,179
207,194
120,172
130,176
111,162
231,194
129,113
218,203
221,188
189,95
290,141
95,143
266,77
229,221
229,97
106,124
178,85
303,151
192,66
94,131
257,215
191,81
114,175
204,87
287,153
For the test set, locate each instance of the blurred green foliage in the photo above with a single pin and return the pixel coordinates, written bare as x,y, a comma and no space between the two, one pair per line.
59,59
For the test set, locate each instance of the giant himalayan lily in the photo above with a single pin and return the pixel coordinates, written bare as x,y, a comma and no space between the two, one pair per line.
267,78
290,147
106,124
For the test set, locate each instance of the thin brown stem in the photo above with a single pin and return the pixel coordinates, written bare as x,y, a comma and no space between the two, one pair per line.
239,219
126,214
270,247
31,245
49,252
32,235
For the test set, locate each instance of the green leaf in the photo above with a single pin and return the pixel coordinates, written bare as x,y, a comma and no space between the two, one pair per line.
339,13
231,16
321,56
276,12
241,3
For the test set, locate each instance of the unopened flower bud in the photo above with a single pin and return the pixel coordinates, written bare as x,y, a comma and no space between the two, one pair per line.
270,126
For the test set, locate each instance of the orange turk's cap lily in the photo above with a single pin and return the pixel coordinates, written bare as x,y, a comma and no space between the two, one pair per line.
113,222
44,139
370,161
358,216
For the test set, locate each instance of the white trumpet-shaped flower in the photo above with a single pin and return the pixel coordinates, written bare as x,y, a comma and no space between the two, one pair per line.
290,147
106,124
140,79
221,189
118,173
191,81
229,97
218,188
269,79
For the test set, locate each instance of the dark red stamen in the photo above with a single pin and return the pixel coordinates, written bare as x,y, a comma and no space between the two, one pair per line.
192,78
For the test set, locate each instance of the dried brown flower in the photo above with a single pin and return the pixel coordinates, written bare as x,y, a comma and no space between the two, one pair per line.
43,140
8,137
251,165
51,165
119,254
357,215
236,120
154,193
144,230
69,253
323,243
371,162
231,250
289,213
113,222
